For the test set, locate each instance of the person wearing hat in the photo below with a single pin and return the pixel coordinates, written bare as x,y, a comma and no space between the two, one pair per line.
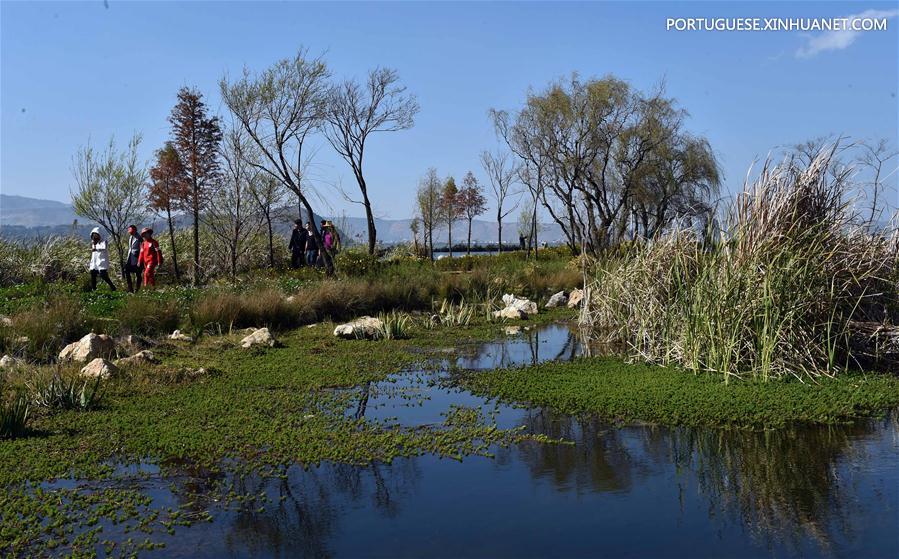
99,265
297,244
150,256
131,265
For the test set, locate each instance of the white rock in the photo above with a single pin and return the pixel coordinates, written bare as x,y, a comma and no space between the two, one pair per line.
144,357
557,300
524,305
180,336
89,347
575,298
8,362
22,340
290,299
259,337
99,367
363,327
5,321
511,313
516,307
513,330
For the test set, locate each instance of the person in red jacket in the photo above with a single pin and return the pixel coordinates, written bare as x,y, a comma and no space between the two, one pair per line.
150,256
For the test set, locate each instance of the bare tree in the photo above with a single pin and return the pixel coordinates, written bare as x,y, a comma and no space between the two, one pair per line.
278,109
354,112
232,217
501,172
531,175
110,189
472,202
428,199
268,192
875,156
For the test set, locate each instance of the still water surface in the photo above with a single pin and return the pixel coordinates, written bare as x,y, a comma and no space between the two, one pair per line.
634,491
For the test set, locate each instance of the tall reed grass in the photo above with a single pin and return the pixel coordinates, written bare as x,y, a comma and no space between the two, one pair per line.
776,295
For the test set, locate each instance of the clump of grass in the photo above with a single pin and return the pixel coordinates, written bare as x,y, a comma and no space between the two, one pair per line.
13,416
41,331
777,295
394,326
148,316
455,314
64,391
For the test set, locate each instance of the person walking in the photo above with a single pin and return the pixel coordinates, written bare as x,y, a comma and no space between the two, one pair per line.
131,265
150,256
327,241
297,245
311,246
99,265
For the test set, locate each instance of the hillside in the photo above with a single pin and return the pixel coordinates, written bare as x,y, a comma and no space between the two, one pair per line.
22,217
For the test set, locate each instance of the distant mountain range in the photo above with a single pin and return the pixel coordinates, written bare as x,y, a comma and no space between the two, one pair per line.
22,217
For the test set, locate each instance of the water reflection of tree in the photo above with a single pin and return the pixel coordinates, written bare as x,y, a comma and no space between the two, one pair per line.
784,484
598,461
304,514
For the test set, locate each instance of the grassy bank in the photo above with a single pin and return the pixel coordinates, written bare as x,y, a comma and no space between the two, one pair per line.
628,393
52,314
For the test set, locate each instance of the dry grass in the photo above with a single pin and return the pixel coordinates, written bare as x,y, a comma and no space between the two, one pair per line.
776,295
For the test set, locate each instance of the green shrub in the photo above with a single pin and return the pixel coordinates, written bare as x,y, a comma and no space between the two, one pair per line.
356,262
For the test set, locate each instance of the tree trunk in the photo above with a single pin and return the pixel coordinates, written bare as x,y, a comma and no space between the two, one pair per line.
499,233
369,216
168,211
534,228
196,278
431,243
469,236
271,245
449,228
120,249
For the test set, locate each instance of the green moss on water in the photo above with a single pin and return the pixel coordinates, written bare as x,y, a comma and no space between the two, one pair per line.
628,393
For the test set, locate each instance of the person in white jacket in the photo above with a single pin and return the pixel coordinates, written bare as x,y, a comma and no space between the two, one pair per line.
99,265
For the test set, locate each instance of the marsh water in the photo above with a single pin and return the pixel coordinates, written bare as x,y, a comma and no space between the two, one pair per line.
622,491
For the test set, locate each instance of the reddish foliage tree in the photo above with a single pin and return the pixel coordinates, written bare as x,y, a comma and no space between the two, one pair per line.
168,188
197,139
472,202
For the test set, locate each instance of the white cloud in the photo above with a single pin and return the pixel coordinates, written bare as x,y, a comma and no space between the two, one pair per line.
839,40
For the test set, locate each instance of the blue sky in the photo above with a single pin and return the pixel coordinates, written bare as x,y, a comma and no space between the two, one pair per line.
73,71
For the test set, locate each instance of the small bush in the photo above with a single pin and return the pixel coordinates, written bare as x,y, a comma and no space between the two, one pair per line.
356,262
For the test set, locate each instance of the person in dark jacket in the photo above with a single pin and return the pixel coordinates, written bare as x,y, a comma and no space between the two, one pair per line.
297,245
311,246
131,265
